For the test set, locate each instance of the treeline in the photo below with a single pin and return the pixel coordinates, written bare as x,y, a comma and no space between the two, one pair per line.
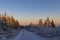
47,23
8,21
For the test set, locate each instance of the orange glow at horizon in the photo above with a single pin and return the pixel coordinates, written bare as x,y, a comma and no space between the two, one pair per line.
28,21
57,21
35,21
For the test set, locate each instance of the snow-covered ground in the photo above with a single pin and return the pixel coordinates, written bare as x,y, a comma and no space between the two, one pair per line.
8,34
31,33
26,35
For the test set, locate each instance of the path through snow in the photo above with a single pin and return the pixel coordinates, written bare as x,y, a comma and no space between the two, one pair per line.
25,35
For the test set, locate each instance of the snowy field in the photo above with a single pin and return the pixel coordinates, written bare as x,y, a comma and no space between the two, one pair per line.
37,33
46,35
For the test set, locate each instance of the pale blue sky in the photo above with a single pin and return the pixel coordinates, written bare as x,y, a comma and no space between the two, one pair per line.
31,8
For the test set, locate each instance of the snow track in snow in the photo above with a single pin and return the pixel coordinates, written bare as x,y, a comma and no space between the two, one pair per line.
26,35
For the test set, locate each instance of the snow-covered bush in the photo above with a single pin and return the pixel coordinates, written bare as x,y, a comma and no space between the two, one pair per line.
49,31
57,31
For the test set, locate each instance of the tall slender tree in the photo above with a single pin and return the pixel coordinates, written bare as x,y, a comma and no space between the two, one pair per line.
52,23
41,22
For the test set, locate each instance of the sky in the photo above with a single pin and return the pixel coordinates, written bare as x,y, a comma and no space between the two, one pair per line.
27,11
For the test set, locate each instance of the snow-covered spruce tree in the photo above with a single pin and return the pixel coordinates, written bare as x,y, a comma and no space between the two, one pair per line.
52,23
41,22
4,24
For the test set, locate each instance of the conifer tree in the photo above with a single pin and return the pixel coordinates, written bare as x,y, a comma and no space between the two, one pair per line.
52,23
40,22
45,24
48,20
